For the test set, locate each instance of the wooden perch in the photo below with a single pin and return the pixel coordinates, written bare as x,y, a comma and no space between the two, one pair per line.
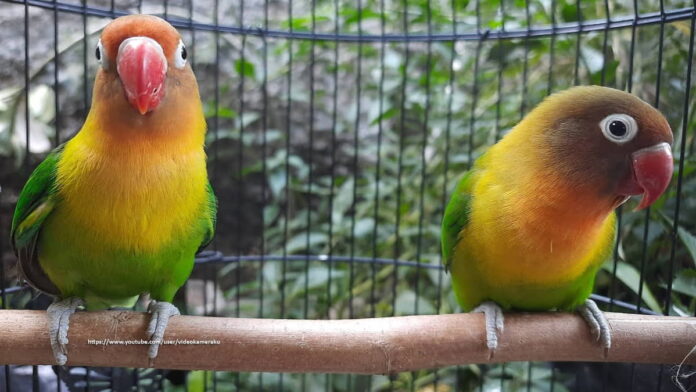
377,346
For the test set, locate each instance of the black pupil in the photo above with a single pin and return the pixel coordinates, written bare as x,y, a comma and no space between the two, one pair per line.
98,54
183,53
617,128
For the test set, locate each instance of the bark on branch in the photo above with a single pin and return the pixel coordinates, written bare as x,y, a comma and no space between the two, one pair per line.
376,346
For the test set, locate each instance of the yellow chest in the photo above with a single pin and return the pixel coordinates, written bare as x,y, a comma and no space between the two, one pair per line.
136,198
516,235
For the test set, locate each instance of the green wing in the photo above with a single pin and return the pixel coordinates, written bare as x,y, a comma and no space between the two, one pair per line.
35,203
210,220
456,217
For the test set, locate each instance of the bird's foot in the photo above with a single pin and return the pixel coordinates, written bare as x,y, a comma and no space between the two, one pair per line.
599,326
494,324
161,312
58,322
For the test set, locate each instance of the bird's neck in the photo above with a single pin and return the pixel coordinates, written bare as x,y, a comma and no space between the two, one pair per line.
547,206
112,127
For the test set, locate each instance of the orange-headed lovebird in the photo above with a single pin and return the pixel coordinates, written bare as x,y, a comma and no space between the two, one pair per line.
122,208
529,226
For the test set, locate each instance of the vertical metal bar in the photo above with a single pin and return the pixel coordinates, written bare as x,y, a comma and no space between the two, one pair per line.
192,52
525,66
264,140
310,175
474,101
287,165
356,152
647,211
216,117
576,72
264,156
85,68
680,176
501,67
240,157
448,132
216,134
288,128
552,48
310,163
424,145
27,88
629,86
445,183
56,82
472,115
605,41
619,225
553,378
27,149
523,110
378,164
332,169
56,108
402,137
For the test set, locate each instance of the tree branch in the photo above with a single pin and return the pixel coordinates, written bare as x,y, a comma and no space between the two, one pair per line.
377,346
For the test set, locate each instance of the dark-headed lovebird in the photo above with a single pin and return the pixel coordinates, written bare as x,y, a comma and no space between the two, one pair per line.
528,227
122,208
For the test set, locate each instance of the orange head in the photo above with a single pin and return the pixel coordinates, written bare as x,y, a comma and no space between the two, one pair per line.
143,62
608,143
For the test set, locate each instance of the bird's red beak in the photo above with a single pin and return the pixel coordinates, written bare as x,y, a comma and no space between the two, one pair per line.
142,67
652,171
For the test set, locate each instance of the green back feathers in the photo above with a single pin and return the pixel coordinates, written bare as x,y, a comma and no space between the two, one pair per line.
210,219
456,217
35,203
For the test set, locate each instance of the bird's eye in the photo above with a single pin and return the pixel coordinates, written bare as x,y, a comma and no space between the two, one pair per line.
99,53
619,128
180,55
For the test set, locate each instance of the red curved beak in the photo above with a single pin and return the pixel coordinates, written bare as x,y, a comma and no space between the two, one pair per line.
652,171
142,67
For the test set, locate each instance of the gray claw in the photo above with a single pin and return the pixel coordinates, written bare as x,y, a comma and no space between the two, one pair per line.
599,326
58,323
494,324
161,312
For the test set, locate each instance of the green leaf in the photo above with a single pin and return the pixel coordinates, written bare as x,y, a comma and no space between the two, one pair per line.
689,242
245,68
387,114
405,304
630,276
352,15
688,239
226,113
299,242
569,13
460,4
685,282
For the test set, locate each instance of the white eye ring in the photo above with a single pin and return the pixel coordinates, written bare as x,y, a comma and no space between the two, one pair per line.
99,54
619,128
180,55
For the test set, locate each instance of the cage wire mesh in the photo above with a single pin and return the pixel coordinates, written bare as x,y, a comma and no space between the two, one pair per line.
336,132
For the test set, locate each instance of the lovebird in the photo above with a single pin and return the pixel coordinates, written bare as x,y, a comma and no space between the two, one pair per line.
529,226
122,208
